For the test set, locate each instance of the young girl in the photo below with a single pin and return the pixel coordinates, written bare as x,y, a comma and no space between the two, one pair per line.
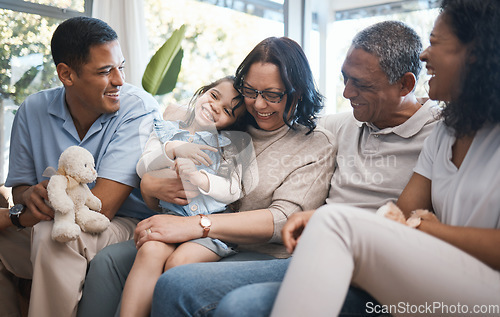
191,148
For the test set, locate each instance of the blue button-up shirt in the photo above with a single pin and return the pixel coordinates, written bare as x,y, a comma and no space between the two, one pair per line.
43,128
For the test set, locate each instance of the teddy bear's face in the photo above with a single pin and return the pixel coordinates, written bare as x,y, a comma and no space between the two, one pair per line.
82,171
78,163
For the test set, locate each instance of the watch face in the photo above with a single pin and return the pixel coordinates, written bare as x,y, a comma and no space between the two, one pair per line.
16,209
205,222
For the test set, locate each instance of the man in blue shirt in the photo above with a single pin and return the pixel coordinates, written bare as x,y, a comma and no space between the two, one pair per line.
94,109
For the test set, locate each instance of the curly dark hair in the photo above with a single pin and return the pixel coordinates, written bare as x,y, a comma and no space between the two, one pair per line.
295,73
478,23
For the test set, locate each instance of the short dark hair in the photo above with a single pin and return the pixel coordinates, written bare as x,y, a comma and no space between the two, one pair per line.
396,45
477,23
295,73
73,38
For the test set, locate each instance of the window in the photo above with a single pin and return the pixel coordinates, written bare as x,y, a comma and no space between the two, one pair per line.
26,64
420,15
218,36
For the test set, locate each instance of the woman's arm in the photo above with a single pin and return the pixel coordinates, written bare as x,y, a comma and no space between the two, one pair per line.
416,195
478,242
247,227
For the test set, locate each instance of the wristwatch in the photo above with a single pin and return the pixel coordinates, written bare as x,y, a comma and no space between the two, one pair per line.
14,214
205,223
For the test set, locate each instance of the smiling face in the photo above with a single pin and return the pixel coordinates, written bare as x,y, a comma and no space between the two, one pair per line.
215,107
95,89
265,76
372,98
445,59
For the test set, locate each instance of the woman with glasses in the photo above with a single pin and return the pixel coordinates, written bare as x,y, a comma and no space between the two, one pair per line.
295,162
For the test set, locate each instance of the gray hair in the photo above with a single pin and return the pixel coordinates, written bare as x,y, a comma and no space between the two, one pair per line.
397,46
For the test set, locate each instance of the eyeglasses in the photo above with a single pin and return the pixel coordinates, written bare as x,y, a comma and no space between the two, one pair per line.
271,96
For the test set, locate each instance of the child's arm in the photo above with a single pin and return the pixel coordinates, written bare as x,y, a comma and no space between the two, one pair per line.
153,157
194,152
187,170
225,190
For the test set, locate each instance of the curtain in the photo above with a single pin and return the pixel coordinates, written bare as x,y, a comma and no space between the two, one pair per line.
126,17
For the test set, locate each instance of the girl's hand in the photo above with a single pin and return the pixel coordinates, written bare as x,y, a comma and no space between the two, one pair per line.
194,152
188,171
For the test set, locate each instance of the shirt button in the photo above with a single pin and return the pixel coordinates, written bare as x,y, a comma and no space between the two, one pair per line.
194,207
376,135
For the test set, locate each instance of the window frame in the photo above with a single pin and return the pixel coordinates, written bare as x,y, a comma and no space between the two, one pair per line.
45,10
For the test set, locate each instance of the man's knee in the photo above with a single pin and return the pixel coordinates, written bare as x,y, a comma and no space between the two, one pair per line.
41,234
116,257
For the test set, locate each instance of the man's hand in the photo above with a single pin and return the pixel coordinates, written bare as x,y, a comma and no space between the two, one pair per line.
194,152
293,228
34,197
168,188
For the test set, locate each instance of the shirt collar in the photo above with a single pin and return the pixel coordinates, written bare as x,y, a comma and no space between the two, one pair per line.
215,140
427,113
59,108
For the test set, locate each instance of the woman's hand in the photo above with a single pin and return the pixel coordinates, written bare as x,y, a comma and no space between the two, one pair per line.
167,229
293,228
192,151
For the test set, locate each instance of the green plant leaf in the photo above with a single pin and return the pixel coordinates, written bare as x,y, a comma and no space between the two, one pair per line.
170,80
159,66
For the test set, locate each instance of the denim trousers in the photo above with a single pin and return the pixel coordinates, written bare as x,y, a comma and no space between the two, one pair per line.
241,287
108,271
232,289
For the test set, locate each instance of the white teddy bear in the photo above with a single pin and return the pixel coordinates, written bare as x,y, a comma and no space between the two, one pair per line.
71,198
391,211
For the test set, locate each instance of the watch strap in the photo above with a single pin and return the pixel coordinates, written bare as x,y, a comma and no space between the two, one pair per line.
14,218
206,229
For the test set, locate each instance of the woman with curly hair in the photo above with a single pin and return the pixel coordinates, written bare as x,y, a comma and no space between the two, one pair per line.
449,262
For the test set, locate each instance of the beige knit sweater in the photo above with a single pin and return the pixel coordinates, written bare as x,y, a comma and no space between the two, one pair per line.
294,171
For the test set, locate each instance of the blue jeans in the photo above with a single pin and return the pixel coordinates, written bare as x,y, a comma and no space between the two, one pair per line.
108,272
196,289
231,289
